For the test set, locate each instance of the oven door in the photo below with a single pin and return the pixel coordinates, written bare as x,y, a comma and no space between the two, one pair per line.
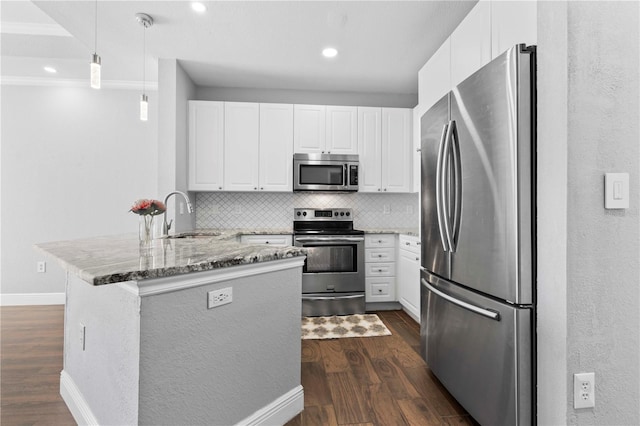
334,263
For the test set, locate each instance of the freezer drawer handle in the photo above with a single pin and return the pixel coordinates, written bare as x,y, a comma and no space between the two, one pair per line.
354,296
481,311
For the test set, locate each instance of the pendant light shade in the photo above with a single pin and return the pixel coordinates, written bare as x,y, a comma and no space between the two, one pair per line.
144,107
96,62
146,21
95,71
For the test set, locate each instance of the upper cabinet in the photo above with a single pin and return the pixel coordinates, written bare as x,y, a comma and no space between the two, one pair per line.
512,22
471,43
325,129
240,146
385,146
489,29
276,147
206,145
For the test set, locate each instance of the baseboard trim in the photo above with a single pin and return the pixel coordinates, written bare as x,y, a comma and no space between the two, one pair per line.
76,403
20,299
279,411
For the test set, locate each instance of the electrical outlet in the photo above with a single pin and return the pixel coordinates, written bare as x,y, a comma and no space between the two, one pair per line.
83,331
181,204
41,266
584,390
237,209
386,209
220,297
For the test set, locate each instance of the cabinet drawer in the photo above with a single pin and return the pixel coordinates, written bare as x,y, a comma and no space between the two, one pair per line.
380,269
275,240
379,240
380,289
411,243
379,255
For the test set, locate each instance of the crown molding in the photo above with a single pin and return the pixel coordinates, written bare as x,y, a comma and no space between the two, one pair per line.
77,83
24,28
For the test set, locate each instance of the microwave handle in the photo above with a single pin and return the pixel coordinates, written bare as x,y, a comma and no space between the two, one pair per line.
346,177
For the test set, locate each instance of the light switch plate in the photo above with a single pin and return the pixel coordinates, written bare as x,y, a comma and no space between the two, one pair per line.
616,190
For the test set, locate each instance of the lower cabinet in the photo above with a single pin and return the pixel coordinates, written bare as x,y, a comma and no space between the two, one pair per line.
408,276
274,240
380,267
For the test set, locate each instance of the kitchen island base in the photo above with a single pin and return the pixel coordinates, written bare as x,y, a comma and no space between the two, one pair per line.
152,352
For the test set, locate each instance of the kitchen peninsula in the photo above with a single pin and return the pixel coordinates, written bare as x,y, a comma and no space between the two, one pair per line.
142,346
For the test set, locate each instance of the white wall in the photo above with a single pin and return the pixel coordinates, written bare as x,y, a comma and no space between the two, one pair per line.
73,161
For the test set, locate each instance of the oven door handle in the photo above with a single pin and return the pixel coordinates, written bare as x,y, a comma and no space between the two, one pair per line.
354,296
328,239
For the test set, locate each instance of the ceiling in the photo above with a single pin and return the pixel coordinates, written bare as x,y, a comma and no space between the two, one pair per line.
249,44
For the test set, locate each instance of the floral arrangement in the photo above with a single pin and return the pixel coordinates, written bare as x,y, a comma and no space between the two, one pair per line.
148,207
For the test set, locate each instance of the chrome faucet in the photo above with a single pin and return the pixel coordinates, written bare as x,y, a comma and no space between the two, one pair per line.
167,226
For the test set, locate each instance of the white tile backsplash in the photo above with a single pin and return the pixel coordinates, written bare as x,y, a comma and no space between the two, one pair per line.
275,209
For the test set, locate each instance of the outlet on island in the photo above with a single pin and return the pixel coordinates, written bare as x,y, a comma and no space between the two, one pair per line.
220,297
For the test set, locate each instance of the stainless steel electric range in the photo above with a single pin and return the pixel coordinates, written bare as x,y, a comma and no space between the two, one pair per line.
333,274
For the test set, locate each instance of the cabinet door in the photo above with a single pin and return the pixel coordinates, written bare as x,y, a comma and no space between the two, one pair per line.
512,22
276,147
408,282
206,142
241,136
396,149
415,148
342,130
471,43
309,128
370,149
434,78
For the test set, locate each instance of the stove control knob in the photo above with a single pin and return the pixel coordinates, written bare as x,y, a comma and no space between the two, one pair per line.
304,213
298,213
348,214
341,213
335,213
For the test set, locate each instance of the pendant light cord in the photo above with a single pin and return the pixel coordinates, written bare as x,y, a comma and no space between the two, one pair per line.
144,49
95,39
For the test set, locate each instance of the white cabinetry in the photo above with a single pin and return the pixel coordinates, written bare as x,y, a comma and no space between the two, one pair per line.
434,78
512,22
274,240
241,146
385,145
471,43
408,275
380,281
276,147
324,129
206,145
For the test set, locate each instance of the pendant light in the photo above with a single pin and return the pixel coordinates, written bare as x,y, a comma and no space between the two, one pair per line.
146,21
95,59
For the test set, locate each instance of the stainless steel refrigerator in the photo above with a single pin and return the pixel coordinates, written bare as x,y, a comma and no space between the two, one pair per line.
478,240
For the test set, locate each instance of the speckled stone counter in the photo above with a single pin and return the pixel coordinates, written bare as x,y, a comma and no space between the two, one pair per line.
113,259
404,231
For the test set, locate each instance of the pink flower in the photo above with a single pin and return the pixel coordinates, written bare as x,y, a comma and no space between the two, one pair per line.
148,207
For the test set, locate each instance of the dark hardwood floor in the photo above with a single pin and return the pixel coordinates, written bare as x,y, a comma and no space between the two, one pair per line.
366,381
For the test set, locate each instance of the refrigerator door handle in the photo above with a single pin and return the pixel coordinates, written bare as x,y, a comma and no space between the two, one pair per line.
468,306
457,176
439,176
444,181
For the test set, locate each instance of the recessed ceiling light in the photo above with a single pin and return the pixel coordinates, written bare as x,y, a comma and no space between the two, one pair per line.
198,7
329,52
52,70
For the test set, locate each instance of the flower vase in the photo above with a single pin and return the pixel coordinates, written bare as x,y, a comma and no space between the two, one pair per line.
145,229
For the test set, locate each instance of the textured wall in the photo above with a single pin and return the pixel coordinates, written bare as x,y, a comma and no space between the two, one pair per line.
603,292
106,372
234,359
275,209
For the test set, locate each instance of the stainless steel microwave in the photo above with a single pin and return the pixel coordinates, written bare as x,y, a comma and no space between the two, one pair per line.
325,172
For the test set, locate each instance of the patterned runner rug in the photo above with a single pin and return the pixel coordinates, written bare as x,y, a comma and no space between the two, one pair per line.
333,327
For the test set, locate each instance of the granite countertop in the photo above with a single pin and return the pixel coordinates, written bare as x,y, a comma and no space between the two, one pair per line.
414,232
112,259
